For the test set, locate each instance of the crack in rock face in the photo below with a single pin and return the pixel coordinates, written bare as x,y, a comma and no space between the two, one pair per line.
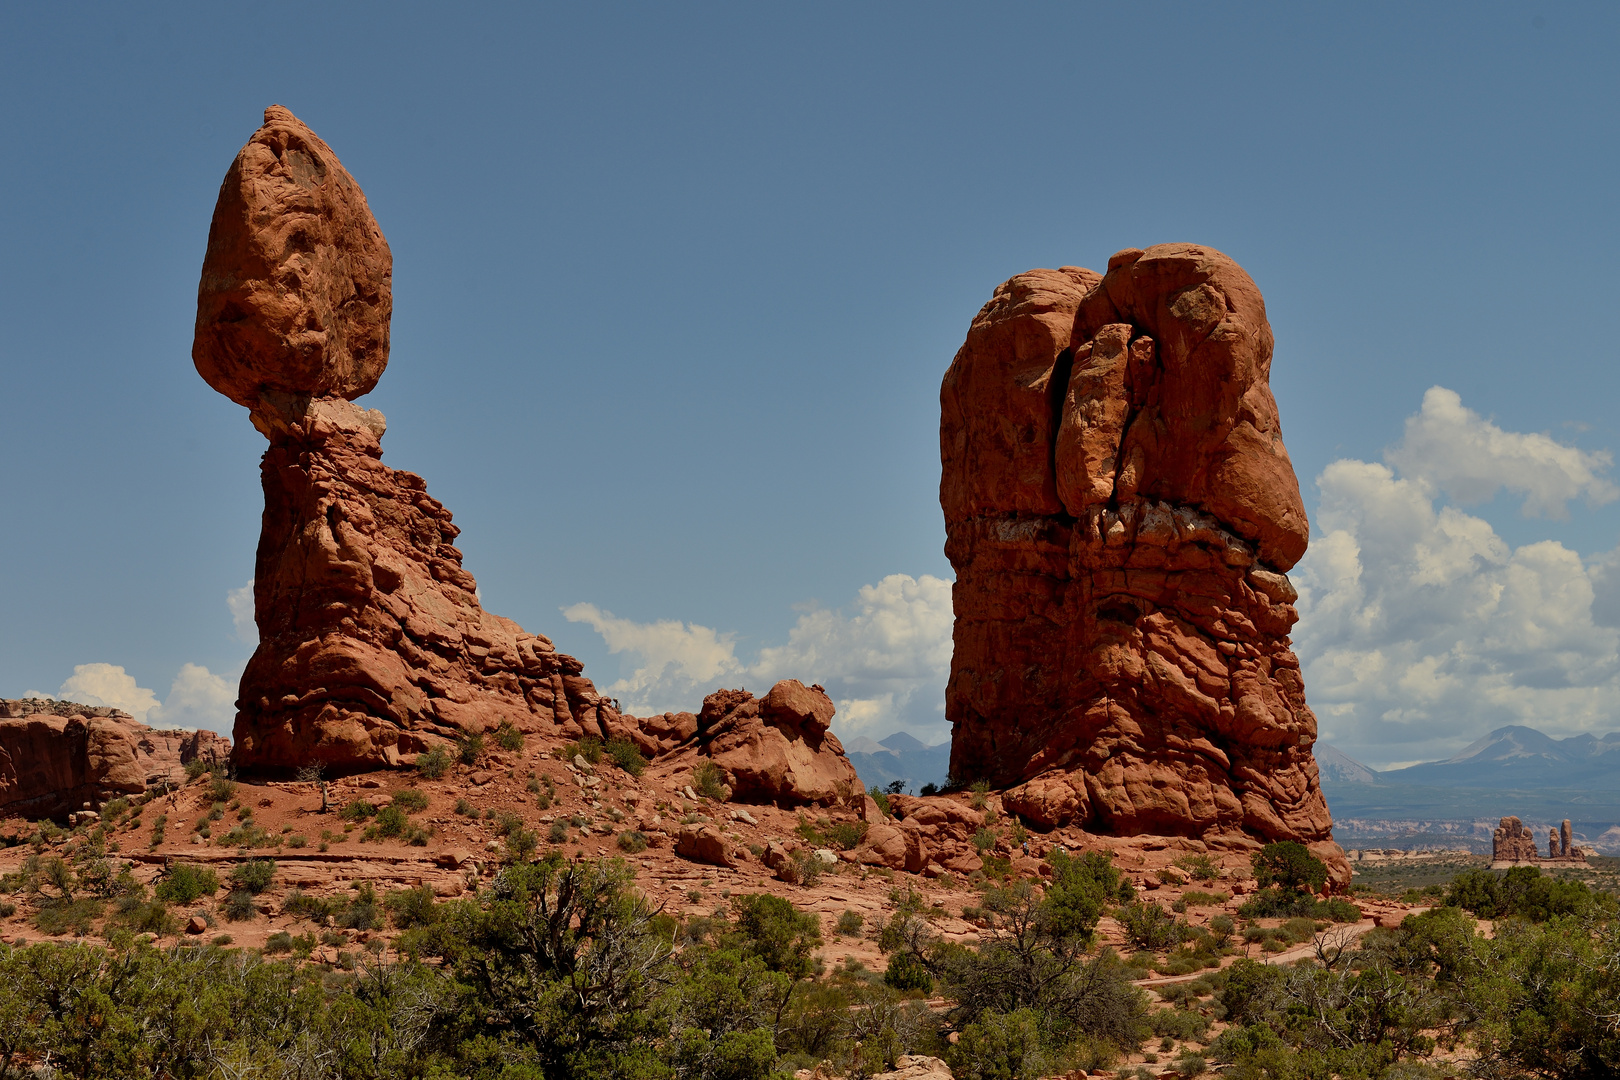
1121,515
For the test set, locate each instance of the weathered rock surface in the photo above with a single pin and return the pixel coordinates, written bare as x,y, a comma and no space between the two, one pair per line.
372,643
58,757
1121,514
297,285
776,749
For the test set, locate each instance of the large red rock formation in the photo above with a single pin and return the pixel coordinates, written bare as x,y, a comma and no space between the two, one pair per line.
372,642
57,757
1121,515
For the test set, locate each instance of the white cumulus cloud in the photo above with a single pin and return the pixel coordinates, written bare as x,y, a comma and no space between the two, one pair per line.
197,697
884,659
1452,449
240,601
1421,628
110,686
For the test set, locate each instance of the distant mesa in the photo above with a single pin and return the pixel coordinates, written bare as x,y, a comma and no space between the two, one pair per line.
1121,515
1513,844
60,758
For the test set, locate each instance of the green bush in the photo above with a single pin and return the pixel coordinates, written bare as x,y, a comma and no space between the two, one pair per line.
465,808
558,833
508,737
434,763
412,907
984,840
1522,891
470,748
183,883
195,768
588,748
521,845
1290,866
239,906
631,843
66,916
1199,867
220,790
709,781
1149,927
850,923
254,876
410,800
624,754
881,797
906,972
362,912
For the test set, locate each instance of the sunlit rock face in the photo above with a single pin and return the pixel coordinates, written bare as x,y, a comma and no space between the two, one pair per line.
372,641
1121,514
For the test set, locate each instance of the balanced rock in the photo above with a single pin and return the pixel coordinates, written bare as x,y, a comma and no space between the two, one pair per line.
297,285
1121,515
372,642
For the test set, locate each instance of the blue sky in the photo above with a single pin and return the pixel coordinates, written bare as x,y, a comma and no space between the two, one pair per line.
675,287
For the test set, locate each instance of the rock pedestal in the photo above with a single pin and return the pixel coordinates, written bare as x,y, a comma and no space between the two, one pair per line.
1121,514
372,643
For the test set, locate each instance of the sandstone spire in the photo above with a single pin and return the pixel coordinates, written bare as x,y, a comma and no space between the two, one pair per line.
1121,514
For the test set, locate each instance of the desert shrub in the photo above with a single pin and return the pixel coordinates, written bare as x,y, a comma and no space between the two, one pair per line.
624,754
142,916
7,909
410,800
1016,1045
928,789
521,845
1179,1024
881,797
239,906
781,936
849,923
632,842
1148,926
984,840
1199,867
115,808
434,763
279,942
1523,891
465,808
507,823
391,821
158,824
906,972
470,748
709,781
358,810
362,912
184,883
412,907
508,737
1194,898
301,905
1290,866
297,840
254,876
220,790
62,915
588,748
195,768
981,795
219,941
558,833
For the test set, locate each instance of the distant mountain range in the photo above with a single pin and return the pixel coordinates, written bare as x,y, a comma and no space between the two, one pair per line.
898,757
1512,758
1514,770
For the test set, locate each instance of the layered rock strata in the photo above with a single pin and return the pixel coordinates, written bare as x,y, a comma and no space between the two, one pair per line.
1121,515
372,643
60,757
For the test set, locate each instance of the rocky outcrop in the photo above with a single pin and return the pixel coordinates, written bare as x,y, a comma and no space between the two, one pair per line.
1514,844
1121,514
372,643
59,757
776,749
